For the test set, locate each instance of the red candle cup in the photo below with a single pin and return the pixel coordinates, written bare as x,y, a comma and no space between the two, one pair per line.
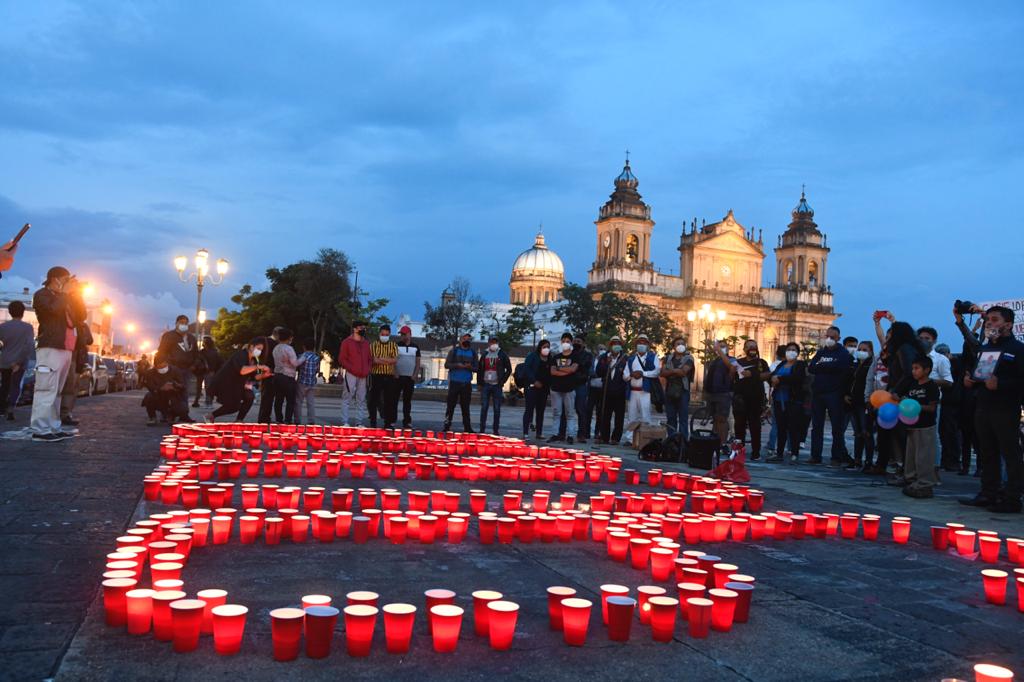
114,600
663,617
488,529
165,570
360,529
163,627
457,528
360,621
698,613
228,628
1020,593
210,598
644,594
481,598
286,630
619,610
689,591
639,552
364,597
186,619
607,591
724,608
501,619
900,531
662,563
221,529
940,537
437,597
989,548
575,620
506,530
848,525
721,573
995,585
744,592
319,624
139,611
398,622
618,545
399,529
445,625
986,672
555,596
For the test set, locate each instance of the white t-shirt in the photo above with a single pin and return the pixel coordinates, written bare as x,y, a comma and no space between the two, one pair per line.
940,367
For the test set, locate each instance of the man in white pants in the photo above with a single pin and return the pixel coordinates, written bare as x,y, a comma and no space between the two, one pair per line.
55,346
642,368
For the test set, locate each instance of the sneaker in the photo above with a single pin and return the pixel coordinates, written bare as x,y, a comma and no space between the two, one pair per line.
569,440
49,437
918,492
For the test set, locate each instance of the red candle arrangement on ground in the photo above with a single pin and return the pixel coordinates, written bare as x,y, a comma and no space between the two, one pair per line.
360,622
398,622
319,630
228,628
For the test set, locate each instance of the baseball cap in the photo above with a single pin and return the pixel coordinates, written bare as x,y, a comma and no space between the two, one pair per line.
405,330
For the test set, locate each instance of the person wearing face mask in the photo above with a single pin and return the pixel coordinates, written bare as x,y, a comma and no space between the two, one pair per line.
901,348
595,394
614,387
178,346
718,381
677,371
748,396
234,385
941,374
830,368
857,406
998,378
641,370
55,343
268,389
461,363
535,379
493,371
383,393
780,357
407,369
356,360
787,381
564,367
585,360
166,392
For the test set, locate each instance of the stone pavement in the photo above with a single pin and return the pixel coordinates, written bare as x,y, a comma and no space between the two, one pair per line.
823,609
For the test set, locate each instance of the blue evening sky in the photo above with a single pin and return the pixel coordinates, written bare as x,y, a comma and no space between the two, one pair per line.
428,140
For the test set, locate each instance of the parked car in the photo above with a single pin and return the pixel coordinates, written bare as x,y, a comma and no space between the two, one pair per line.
131,375
115,375
95,379
433,384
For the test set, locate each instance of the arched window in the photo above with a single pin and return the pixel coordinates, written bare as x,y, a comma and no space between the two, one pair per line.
812,273
790,272
632,248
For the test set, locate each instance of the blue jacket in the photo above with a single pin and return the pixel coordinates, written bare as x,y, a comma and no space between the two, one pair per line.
649,364
831,369
459,355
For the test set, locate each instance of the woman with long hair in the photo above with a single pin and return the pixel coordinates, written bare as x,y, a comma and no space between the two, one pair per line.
538,379
234,385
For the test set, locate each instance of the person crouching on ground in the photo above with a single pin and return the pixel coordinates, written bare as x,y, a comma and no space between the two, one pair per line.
166,393
235,383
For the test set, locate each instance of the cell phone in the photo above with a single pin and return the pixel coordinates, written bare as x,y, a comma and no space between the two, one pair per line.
17,237
879,314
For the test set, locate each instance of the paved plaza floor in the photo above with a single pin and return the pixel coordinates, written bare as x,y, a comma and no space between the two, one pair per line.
823,609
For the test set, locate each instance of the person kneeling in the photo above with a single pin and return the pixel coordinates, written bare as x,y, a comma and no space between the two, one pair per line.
166,393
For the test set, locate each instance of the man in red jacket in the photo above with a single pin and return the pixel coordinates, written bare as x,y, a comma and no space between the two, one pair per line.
355,360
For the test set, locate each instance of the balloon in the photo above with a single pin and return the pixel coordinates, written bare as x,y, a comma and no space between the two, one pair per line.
910,407
882,423
879,398
889,412
909,421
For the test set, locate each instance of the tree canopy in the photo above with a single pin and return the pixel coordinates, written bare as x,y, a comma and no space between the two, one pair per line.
513,326
598,319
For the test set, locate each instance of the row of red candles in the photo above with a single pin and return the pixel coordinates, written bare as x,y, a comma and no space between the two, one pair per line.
208,433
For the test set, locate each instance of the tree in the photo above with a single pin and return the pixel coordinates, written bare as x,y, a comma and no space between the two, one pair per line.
599,319
459,312
511,327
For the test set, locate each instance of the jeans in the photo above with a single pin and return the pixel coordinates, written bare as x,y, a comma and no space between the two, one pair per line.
536,402
614,405
863,434
490,394
405,390
10,388
833,403
997,429
677,415
267,393
383,398
563,403
458,393
248,397
790,417
284,395
305,393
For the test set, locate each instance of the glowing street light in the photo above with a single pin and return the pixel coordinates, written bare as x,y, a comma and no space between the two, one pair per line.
201,274
130,327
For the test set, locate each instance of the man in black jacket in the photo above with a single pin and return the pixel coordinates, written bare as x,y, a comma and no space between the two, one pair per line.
209,363
166,392
610,367
54,347
831,367
586,360
178,346
493,371
998,375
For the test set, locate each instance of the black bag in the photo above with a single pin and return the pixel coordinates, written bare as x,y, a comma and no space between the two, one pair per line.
652,452
519,376
700,451
673,448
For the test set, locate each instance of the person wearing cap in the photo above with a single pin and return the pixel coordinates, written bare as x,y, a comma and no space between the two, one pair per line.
55,344
642,368
494,370
407,369
461,364
355,360
610,368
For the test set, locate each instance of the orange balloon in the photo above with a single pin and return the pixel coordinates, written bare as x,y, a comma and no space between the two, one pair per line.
879,398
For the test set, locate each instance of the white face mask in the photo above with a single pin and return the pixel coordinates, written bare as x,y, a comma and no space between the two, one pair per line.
256,352
862,355
493,348
384,338
641,348
566,347
162,370
183,328
829,342
680,349
791,355
545,351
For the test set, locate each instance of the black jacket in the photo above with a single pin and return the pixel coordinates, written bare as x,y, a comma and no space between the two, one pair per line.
794,381
504,368
210,360
52,311
1009,371
611,370
179,349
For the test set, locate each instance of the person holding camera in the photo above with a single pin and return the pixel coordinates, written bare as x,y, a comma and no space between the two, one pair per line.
998,377
55,344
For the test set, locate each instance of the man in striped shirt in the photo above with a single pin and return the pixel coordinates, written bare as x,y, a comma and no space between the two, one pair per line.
383,397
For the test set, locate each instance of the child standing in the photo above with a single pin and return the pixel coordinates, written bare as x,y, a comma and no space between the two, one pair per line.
919,468
309,367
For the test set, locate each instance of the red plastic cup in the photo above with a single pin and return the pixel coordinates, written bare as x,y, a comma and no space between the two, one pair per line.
661,563
364,597
360,529
481,598
606,592
315,600
964,541
163,626
399,526
139,610
398,622
986,672
639,552
724,609
900,531
457,528
1020,594
989,548
744,592
555,596
698,613
848,526
687,591
165,570
501,619
211,598
220,527
437,597
721,572
663,617
618,545
320,622
360,621
299,527
575,620
620,611
995,585
286,630
228,628
940,537
114,600
187,619
445,625
644,594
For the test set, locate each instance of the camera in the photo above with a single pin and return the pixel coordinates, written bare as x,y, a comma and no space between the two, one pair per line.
963,307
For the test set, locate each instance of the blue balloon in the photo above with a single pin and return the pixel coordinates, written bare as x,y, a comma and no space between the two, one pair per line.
889,412
909,407
886,424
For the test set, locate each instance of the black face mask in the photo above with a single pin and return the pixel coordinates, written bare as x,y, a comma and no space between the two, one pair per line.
465,344
360,331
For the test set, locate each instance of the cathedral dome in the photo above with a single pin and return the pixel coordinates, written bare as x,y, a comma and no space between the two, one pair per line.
539,260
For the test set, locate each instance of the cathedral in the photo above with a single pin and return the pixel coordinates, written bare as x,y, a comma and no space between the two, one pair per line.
719,290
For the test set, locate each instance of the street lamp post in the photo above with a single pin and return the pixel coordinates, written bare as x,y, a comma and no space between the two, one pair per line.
705,319
201,274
